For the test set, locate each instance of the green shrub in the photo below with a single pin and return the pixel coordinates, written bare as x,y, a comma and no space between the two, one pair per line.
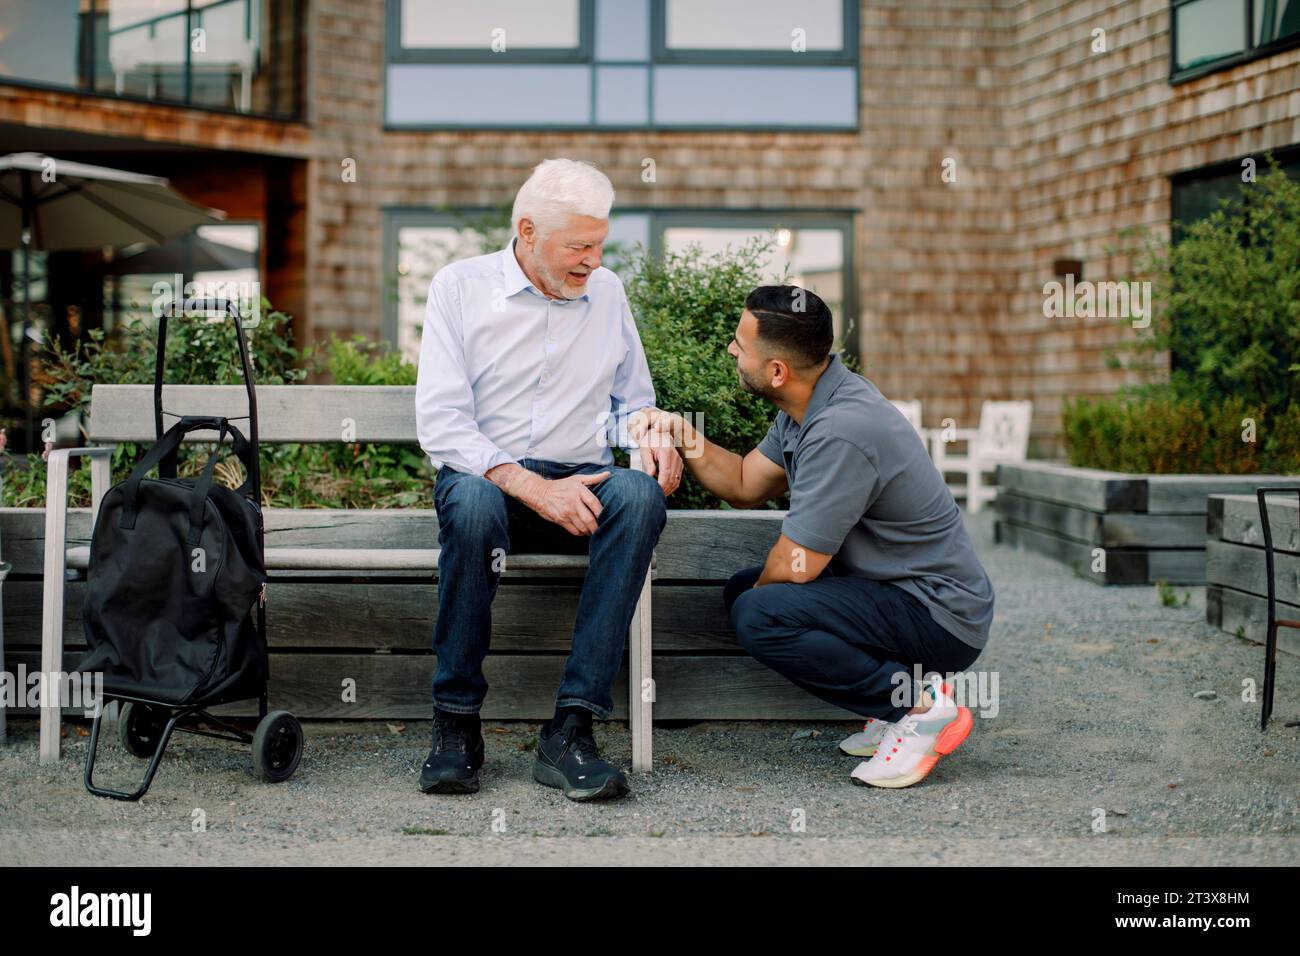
1228,311
1157,432
687,305
197,351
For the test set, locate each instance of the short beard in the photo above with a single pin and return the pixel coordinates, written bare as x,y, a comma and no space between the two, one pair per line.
754,387
561,286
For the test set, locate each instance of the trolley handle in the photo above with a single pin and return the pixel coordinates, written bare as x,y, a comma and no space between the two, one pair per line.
229,307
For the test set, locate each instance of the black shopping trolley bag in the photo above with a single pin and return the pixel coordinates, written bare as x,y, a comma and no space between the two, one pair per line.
176,572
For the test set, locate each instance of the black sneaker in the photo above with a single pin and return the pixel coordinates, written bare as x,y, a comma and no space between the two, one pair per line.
568,760
456,757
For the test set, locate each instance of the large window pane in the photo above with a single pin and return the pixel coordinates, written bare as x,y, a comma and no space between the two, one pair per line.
483,95
140,48
225,66
422,251
240,55
753,24
223,257
767,97
1196,196
815,257
418,243
1276,20
40,40
1208,30
470,24
623,29
622,95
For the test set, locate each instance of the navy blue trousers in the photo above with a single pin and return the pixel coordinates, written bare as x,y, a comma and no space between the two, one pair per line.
849,640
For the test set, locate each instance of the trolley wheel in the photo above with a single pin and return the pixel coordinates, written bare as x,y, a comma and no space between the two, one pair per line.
140,727
277,746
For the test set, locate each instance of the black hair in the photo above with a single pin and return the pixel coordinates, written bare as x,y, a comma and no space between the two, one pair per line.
793,322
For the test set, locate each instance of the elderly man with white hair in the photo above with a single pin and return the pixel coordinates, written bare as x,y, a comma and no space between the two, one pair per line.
530,367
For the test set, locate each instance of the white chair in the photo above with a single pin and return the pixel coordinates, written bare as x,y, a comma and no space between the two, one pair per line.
912,412
1002,438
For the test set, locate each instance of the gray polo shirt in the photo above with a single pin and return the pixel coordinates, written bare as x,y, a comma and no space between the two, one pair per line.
863,488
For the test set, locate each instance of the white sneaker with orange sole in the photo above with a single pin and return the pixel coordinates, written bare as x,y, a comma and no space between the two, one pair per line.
866,740
913,744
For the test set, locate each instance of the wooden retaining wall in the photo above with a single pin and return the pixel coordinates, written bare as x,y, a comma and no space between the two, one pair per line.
1150,527
1236,589
327,628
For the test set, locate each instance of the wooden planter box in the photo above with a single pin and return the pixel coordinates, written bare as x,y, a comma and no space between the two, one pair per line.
325,628
1236,594
1148,528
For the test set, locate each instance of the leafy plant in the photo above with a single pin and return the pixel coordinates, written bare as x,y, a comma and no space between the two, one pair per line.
687,305
1227,296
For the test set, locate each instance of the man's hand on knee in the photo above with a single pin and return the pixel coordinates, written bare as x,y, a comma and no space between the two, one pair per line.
569,503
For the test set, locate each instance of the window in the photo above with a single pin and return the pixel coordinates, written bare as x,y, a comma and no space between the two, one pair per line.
222,259
518,25
816,248
1209,35
1196,194
231,55
812,249
622,64
417,243
752,25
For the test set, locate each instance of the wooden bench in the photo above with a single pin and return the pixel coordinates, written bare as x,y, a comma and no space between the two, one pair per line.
289,414
1236,594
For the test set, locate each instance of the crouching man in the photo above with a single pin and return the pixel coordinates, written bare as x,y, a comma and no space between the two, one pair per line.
873,573
529,364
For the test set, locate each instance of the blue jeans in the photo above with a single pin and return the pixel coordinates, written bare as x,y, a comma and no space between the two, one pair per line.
849,640
478,523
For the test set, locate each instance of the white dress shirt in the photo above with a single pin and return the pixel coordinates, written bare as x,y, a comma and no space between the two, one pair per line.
506,373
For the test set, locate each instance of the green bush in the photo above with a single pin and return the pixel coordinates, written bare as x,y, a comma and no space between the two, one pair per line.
1157,432
197,351
687,305
361,475
1228,311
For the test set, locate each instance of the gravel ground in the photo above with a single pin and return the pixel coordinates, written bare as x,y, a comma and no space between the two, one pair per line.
1096,711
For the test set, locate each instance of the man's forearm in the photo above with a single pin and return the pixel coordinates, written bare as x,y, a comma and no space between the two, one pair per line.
518,482
718,470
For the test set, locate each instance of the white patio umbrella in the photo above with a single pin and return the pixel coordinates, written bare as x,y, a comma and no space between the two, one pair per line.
54,204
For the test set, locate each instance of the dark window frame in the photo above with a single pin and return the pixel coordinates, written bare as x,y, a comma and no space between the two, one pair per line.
1186,178
86,70
1252,51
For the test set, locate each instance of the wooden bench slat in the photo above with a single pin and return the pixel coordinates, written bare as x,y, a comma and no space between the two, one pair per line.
285,413
374,559
317,615
700,545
